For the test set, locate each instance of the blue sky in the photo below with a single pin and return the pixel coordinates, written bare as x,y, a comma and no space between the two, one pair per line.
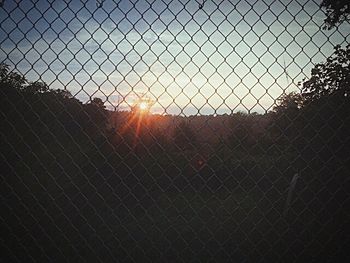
227,56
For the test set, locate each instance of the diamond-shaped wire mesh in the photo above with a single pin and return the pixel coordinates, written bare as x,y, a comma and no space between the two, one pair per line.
174,131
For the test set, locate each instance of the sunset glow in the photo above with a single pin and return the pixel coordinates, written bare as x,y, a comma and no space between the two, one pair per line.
123,56
143,106
174,130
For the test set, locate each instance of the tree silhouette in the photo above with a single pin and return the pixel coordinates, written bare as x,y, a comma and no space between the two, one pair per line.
337,11
289,102
184,137
331,77
36,87
98,103
316,121
10,79
241,137
287,121
327,106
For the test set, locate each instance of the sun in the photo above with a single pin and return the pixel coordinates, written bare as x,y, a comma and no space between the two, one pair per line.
143,106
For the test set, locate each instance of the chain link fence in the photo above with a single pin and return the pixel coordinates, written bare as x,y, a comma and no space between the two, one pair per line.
174,131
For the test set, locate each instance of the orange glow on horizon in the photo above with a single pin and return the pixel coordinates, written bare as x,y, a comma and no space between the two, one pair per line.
143,105
138,119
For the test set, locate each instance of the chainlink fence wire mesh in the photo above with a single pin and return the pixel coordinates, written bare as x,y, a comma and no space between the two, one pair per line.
174,131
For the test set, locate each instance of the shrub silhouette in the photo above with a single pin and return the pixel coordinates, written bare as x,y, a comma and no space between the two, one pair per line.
184,137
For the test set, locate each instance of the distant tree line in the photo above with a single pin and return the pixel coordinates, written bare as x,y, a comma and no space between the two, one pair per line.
52,123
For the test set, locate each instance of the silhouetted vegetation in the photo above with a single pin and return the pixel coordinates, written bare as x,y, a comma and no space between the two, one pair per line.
316,122
151,170
184,137
337,11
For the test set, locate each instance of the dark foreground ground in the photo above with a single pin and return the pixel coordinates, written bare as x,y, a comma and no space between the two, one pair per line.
236,212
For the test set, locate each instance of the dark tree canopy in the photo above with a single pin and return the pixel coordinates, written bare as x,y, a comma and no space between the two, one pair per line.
9,78
315,122
330,77
184,136
36,87
337,11
98,103
291,101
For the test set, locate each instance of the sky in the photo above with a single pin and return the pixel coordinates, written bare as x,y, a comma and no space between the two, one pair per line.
225,57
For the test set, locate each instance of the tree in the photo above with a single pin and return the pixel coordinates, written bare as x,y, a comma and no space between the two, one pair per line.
98,103
286,120
240,139
36,87
316,122
337,11
289,102
331,77
63,93
184,137
11,79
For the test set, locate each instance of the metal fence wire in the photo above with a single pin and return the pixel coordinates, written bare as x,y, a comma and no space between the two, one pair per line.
174,131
